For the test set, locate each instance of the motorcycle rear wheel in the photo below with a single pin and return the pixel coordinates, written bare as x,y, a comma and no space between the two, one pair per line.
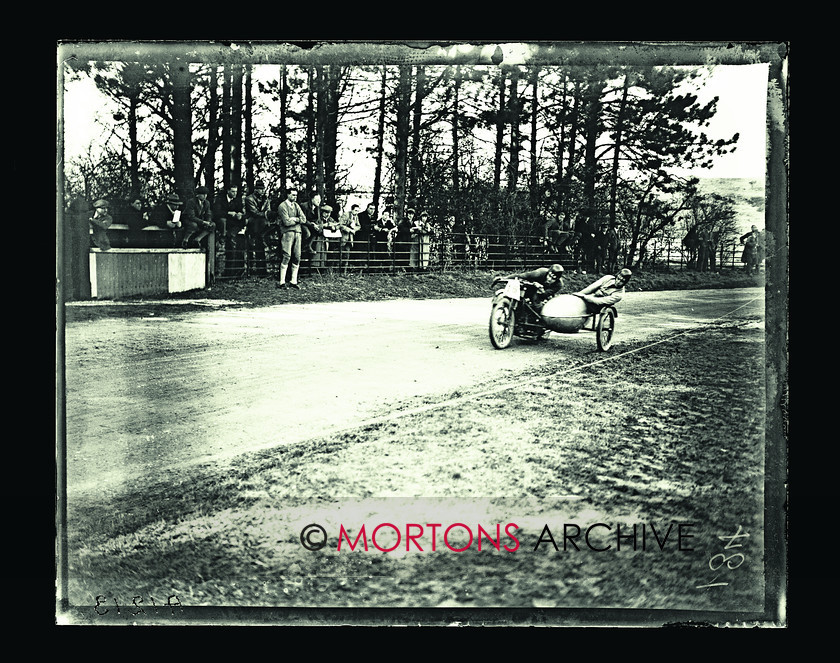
502,320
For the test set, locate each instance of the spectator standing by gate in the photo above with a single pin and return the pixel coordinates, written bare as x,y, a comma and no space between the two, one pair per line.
704,249
364,235
753,254
318,243
380,242
349,225
584,252
459,240
419,256
256,224
402,240
309,230
292,218
229,216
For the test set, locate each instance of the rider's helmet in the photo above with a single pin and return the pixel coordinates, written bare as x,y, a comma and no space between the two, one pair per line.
625,274
556,269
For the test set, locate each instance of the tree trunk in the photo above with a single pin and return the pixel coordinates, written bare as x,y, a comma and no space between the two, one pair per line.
414,169
590,166
182,128
402,132
619,127
570,165
329,129
513,160
226,144
212,132
133,147
500,134
310,133
456,186
284,138
236,125
534,179
250,166
380,141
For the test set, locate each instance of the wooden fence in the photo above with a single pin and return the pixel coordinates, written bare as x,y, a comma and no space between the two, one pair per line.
478,252
497,253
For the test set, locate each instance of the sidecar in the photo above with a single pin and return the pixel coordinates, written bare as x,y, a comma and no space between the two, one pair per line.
568,314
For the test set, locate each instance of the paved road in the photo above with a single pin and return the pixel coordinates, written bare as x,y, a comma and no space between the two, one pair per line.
149,394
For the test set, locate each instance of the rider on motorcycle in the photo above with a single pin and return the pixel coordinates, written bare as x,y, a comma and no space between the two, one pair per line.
549,281
606,291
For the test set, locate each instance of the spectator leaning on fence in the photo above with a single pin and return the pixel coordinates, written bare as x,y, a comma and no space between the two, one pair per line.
310,227
256,222
366,219
402,239
418,257
197,219
318,241
136,218
554,235
167,214
229,215
100,221
459,239
348,226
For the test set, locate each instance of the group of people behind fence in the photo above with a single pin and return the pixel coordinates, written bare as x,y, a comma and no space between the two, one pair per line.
701,246
247,231
592,245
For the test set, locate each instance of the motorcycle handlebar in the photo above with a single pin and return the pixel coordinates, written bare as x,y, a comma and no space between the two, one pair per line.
499,279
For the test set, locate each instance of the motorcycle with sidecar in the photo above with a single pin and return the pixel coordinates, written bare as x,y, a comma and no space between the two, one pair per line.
514,313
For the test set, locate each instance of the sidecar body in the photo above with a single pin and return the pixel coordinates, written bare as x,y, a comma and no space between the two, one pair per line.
565,314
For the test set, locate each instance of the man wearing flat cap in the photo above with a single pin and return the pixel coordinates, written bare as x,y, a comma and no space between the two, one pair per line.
256,226
318,242
99,224
167,214
197,219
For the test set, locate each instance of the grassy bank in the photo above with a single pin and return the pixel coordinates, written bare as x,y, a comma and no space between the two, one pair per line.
370,287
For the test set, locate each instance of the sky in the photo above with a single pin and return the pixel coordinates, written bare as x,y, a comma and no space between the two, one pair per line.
742,92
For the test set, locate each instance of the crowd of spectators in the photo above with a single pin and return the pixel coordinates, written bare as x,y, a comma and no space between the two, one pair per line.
249,234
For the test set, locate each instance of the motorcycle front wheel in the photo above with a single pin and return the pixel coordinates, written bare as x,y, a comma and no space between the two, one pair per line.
502,319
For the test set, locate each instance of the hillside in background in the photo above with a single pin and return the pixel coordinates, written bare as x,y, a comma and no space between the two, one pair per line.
748,195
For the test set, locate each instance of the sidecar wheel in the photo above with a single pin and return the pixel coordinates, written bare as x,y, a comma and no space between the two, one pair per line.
502,319
604,330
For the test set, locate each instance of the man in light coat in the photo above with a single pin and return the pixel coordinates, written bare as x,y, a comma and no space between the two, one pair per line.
292,219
